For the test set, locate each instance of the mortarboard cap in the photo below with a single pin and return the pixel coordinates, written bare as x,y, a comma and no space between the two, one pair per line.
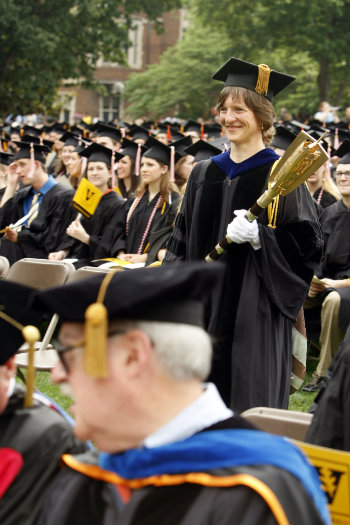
202,150
258,78
213,130
32,139
31,130
296,127
343,152
130,148
102,130
25,149
282,138
222,143
71,139
158,151
138,132
192,125
98,153
181,144
6,158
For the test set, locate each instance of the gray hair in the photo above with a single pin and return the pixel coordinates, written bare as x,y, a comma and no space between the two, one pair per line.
183,350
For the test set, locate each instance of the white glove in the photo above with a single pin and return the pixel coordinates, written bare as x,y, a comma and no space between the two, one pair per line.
240,230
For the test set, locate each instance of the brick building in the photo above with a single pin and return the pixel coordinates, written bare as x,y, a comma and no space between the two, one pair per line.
146,48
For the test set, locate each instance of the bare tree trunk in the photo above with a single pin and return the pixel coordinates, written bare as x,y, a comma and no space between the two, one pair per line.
323,79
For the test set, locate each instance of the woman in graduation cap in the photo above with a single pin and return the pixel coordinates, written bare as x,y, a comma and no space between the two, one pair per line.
155,204
96,238
270,262
128,168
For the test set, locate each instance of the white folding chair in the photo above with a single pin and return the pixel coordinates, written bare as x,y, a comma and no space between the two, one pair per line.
85,272
290,423
40,274
4,266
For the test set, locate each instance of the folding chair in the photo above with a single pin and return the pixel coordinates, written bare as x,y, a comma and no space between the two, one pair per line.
85,272
290,423
40,274
4,266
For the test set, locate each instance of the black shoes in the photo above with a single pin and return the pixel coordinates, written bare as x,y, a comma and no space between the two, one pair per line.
315,383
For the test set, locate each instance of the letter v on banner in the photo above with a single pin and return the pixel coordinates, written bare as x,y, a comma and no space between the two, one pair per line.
86,198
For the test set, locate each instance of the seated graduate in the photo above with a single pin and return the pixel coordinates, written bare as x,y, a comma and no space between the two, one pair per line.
103,234
42,207
330,426
128,168
156,202
33,439
172,451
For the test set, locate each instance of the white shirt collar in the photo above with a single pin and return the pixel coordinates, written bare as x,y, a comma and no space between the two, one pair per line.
208,409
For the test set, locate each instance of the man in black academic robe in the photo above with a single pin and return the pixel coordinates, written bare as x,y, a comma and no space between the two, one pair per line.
42,232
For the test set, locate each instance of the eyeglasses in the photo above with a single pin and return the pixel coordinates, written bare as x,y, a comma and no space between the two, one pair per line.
67,361
339,175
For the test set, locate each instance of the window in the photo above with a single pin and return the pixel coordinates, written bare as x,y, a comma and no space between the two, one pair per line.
111,101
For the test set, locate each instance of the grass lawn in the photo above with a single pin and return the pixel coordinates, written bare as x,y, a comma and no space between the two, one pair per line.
300,401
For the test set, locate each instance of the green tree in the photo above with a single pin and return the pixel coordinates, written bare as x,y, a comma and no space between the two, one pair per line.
180,84
317,30
45,41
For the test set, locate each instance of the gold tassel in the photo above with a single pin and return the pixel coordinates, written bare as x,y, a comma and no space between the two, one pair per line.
272,211
96,332
31,335
262,84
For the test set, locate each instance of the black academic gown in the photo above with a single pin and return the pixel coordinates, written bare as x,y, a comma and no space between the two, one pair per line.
326,198
330,426
41,435
106,228
335,263
163,217
47,231
262,291
82,495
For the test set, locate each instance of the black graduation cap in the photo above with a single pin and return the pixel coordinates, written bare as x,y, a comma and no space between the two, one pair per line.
25,149
295,126
31,130
161,152
202,150
343,152
71,139
57,127
343,134
175,134
259,78
181,144
6,158
98,153
213,130
138,132
222,143
172,293
282,138
192,125
130,148
102,130
14,302
32,139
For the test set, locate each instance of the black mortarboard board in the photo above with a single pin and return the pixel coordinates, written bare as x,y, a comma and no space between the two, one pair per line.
181,144
282,138
343,134
213,130
172,293
202,150
4,135
31,130
222,143
40,150
175,134
32,139
159,151
102,130
71,139
343,152
130,148
14,302
192,125
138,132
6,158
258,78
295,126
57,127
98,153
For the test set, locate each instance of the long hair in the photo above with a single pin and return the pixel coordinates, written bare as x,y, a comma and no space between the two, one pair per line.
134,181
166,186
260,105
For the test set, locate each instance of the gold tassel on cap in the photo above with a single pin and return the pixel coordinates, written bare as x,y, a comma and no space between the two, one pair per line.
96,331
262,84
31,335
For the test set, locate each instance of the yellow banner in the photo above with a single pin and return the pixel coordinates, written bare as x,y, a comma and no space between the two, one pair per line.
333,467
86,198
